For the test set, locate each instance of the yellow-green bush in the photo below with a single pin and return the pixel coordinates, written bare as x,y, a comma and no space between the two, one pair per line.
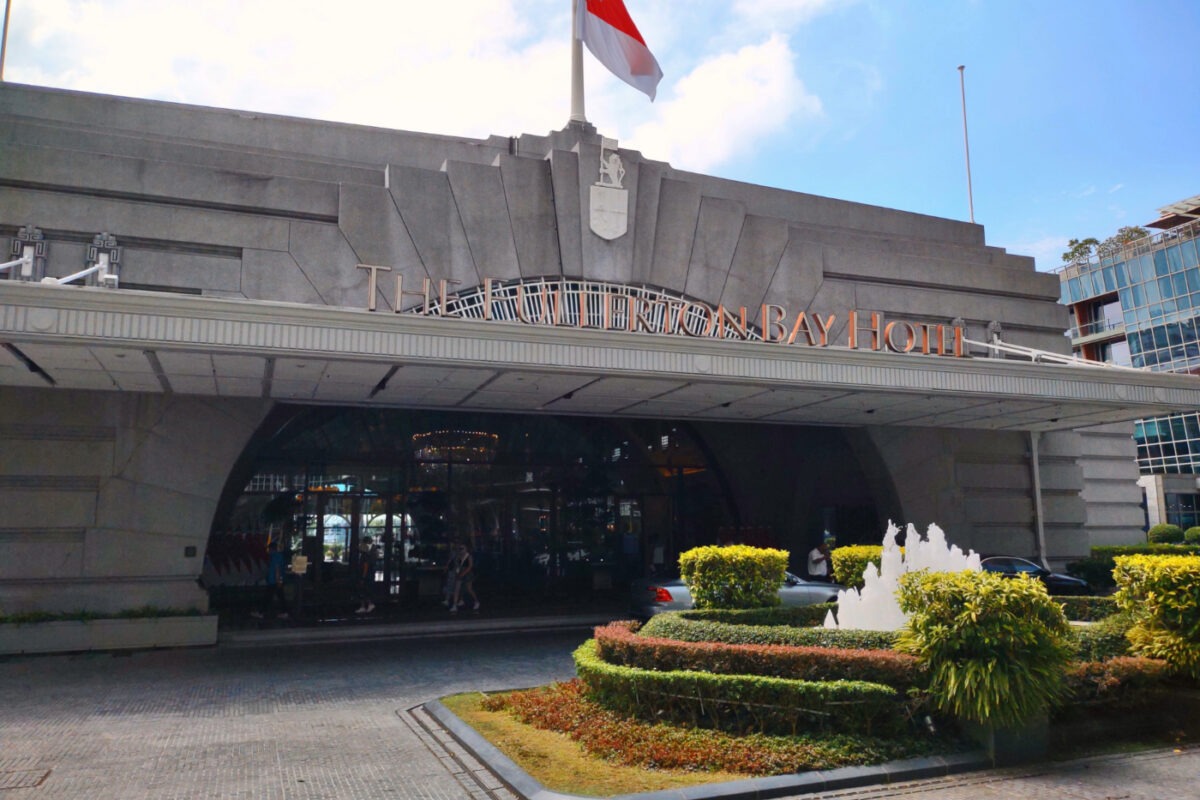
737,576
1162,594
996,648
849,563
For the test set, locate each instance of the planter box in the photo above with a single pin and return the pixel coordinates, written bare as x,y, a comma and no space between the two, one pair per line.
107,634
1009,746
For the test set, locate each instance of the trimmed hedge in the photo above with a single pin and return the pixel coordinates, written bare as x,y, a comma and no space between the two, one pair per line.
851,561
616,643
1192,535
1165,533
681,626
1097,569
735,576
1087,609
1117,681
1101,640
739,703
794,616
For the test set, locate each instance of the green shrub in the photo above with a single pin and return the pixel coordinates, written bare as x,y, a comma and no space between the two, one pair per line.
618,644
679,625
1192,535
850,562
1087,609
794,616
737,576
738,703
1097,568
995,647
1162,595
1101,640
1165,533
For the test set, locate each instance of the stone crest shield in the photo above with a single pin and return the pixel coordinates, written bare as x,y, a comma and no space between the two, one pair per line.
609,217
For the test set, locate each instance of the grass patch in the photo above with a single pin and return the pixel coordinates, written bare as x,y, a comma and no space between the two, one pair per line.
559,763
573,746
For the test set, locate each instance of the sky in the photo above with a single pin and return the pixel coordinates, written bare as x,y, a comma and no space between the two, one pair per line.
1082,115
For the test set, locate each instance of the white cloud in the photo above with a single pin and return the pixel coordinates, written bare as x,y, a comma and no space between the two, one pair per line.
1046,251
467,67
451,67
727,103
784,13
1116,188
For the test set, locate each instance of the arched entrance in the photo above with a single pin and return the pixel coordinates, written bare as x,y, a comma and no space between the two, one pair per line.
557,511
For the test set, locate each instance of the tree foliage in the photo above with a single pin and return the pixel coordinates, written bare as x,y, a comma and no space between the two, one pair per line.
1080,251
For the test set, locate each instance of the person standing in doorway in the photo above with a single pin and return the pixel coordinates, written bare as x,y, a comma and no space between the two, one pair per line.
818,562
366,575
276,566
464,569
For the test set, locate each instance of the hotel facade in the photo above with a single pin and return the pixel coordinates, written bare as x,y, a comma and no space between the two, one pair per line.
219,328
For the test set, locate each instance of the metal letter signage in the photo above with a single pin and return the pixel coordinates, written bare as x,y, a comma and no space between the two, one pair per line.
574,303
609,206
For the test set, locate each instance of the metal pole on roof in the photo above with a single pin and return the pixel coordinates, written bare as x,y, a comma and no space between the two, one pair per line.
4,37
962,86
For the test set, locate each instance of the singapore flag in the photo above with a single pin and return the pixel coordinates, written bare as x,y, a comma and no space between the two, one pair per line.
608,31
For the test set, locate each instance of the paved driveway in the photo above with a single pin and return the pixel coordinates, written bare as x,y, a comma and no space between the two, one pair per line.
329,720
298,722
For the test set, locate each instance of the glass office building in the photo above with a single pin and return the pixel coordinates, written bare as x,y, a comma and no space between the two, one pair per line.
1139,306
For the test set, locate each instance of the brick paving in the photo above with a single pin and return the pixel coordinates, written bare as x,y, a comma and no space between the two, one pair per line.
338,720
320,721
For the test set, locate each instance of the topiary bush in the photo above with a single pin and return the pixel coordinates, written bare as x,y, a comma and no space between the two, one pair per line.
794,616
679,625
617,643
996,648
1192,535
849,563
1165,533
739,703
1162,596
735,576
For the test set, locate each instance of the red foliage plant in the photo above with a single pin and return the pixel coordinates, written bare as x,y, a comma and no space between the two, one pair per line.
617,643
1123,680
564,708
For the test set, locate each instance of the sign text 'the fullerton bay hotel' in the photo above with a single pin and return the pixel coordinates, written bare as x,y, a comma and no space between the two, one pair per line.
566,302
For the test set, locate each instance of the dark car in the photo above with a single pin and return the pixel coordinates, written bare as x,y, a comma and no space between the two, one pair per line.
1056,582
652,596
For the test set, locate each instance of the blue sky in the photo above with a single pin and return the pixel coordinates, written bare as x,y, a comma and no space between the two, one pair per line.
1083,116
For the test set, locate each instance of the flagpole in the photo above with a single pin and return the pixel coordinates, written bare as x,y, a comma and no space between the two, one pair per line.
577,114
962,85
4,37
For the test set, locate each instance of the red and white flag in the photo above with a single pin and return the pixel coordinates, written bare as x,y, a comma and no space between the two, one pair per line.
608,31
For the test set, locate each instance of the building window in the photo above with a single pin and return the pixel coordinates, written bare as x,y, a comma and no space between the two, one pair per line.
1183,509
